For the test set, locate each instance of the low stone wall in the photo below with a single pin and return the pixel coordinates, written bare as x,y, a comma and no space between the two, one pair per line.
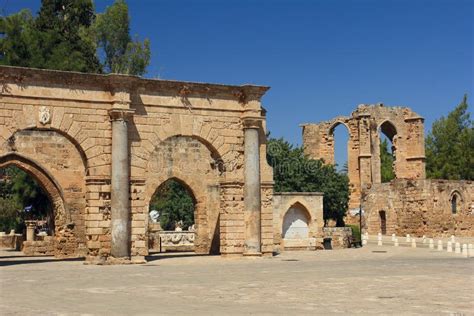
340,236
420,207
44,247
11,241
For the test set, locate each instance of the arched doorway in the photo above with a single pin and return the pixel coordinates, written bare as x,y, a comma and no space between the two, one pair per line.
295,228
195,166
57,232
387,151
383,222
171,215
22,199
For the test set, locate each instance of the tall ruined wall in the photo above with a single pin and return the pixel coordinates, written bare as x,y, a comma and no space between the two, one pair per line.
420,207
401,125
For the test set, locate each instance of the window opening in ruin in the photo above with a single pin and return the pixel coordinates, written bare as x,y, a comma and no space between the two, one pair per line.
22,198
383,222
173,206
387,134
340,138
454,203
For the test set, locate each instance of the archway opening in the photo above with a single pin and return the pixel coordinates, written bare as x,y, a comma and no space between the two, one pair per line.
387,136
340,135
383,222
296,223
455,202
23,198
171,211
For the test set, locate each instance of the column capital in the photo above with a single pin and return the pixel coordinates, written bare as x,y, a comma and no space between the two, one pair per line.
252,122
121,114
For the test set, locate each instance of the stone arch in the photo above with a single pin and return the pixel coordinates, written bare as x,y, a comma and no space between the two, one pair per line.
336,124
11,138
192,163
388,129
45,179
296,222
456,200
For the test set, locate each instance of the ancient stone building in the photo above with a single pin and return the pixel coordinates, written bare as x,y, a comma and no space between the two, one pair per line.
101,145
401,125
410,204
433,208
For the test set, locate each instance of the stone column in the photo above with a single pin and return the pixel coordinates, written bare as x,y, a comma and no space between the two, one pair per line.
30,230
252,199
120,185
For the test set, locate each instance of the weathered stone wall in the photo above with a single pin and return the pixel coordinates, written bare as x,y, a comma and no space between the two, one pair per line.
57,126
340,236
420,207
312,204
401,125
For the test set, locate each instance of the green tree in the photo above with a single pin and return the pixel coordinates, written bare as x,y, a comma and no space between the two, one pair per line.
122,54
17,191
16,35
293,171
68,35
57,38
450,146
62,41
386,162
174,203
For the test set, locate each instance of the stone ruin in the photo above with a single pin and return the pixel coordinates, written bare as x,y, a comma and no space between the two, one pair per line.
409,204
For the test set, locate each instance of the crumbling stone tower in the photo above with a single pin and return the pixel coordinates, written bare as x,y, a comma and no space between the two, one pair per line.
401,125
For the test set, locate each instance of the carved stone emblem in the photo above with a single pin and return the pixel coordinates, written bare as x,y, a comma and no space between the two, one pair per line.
44,115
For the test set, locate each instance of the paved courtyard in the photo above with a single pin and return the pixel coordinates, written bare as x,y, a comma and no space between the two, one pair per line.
371,280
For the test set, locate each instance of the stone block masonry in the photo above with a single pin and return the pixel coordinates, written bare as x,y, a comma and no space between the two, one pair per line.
101,145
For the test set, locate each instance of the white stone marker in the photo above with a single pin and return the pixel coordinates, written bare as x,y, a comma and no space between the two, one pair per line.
424,239
452,239
470,250
395,242
440,245
408,238
393,237
449,247
457,248
413,243
431,243
465,252
379,240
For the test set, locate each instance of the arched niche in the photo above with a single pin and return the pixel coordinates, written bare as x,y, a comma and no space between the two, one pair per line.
296,222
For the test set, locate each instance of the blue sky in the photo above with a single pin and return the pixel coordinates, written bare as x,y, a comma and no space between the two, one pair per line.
321,58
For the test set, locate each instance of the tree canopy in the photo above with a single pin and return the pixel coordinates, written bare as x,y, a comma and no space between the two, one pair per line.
450,146
293,171
69,35
175,204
